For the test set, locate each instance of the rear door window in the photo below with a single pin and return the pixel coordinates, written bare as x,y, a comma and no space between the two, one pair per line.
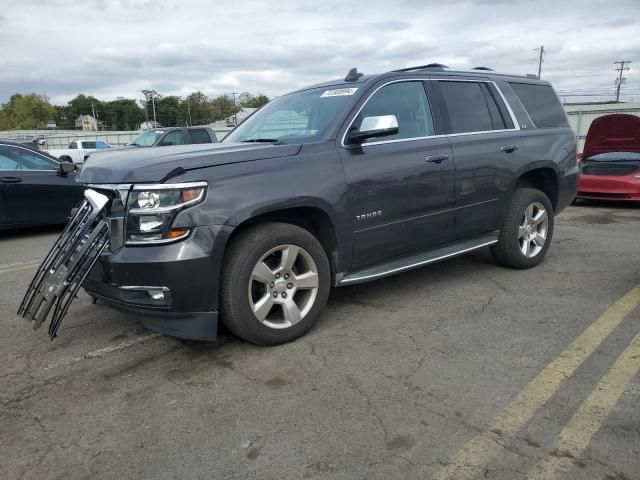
542,104
89,144
175,137
199,135
467,107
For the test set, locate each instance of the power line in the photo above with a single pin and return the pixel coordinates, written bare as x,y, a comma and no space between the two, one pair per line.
620,69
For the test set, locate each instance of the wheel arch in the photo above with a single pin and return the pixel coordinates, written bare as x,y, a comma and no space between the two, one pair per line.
311,216
543,177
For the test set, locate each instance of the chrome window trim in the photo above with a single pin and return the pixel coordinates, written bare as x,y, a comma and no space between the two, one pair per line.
516,126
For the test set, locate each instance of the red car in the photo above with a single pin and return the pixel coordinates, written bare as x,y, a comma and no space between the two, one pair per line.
610,164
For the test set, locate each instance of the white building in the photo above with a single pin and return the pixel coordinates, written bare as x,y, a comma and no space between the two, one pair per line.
240,116
87,122
148,125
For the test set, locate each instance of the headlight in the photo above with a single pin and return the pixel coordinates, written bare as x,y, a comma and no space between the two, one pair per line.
151,210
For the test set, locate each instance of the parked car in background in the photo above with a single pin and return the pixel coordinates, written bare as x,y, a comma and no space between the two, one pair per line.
610,161
337,184
35,188
163,137
78,150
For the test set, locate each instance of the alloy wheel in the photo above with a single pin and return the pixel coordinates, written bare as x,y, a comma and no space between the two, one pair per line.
533,228
283,286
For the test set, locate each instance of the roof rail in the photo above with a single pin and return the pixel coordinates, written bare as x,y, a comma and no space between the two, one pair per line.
353,75
422,67
483,68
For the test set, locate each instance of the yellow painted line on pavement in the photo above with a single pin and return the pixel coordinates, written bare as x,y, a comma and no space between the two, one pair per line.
474,456
13,267
575,437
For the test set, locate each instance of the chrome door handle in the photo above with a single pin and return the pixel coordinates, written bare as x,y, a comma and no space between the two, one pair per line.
438,158
509,148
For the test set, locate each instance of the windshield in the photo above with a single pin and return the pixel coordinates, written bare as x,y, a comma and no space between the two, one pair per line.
614,156
148,138
294,118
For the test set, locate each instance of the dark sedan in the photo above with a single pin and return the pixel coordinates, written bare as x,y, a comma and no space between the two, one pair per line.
35,188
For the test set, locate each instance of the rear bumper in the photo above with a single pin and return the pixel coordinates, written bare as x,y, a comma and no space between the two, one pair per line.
186,272
609,187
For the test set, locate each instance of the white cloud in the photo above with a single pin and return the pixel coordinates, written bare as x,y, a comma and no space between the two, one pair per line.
111,48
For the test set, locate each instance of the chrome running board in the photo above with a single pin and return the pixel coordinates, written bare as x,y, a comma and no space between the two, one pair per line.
404,264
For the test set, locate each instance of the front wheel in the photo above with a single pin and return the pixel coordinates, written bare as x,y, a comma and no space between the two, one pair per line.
527,231
276,281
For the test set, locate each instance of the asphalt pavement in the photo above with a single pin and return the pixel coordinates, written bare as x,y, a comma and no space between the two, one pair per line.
458,370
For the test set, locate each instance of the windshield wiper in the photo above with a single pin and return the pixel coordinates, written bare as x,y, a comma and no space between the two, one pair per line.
275,141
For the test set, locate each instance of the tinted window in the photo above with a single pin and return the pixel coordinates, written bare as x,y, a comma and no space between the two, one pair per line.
101,145
199,135
467,107
16,158
542,104
73,145
175,137
408,102
88,144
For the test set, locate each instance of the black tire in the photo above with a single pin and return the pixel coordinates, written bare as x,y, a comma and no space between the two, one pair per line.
243,254
508,251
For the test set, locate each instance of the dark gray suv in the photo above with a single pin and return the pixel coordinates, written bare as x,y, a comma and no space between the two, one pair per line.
336,184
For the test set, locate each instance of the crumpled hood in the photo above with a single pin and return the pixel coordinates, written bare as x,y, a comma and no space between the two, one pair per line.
147,165
618,132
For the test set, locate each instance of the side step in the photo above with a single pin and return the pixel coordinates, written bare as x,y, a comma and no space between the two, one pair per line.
403,264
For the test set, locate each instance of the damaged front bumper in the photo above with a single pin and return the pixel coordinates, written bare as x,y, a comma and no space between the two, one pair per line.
170,288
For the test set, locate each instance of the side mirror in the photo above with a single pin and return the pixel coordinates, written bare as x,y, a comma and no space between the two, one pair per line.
66,167
371,127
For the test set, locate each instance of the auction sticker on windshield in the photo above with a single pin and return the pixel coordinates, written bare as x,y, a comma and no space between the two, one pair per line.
339,92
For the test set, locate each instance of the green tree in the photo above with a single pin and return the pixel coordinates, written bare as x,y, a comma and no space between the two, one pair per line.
170,112
26,112
199,106
246,100
122,114
222,107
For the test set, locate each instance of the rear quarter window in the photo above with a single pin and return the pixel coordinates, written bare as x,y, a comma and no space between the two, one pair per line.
199,135
542,104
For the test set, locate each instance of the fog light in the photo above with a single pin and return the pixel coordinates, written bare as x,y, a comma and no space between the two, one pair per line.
156,294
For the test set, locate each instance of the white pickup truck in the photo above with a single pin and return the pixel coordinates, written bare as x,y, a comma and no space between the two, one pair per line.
78,150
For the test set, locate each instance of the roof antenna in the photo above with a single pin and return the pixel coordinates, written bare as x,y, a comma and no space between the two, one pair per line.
353,75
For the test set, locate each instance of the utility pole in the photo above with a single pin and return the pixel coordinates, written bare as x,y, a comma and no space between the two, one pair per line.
621,79
540,60
189,111
93,111
235,113
153,104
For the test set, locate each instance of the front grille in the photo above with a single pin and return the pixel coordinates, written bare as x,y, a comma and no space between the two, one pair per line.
608,169
59,277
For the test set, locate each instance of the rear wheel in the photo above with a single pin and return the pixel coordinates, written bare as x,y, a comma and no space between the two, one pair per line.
527,231
275,283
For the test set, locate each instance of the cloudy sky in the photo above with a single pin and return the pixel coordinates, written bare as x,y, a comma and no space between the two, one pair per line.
112,48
